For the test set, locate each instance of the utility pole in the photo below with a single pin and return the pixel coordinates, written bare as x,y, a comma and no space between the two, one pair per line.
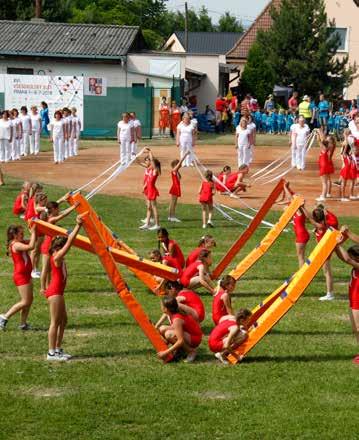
186,25
38,9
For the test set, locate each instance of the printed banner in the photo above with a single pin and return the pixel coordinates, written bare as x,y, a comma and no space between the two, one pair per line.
56,91
95,86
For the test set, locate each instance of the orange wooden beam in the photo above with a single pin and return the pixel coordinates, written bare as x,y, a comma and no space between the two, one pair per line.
288,296
247,234
101,249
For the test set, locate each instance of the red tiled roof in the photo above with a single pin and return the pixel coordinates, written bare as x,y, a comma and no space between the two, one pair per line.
262,22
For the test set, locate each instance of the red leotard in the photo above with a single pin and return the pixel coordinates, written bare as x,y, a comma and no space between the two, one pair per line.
22,267
231,181
145,180
193,256
215,340
356,159
218,307
190,326
206,195
30,209
152,192
194,301
301,232
176,251
17,208
354,290
190,272
58,279
325,163
46,244
175,119
220,177
175,189
164,116
349,169
173,262
330,221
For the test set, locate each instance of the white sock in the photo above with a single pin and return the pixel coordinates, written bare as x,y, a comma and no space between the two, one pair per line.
51,352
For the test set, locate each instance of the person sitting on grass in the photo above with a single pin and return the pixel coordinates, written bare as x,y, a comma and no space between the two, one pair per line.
184,331
197,273
205,242
222,304
229,334
166,260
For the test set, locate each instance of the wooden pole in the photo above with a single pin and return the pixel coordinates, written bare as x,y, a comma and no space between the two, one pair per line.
38,9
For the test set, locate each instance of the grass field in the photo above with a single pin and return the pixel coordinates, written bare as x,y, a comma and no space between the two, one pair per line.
298,383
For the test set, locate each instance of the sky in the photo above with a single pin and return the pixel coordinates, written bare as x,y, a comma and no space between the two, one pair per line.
247,10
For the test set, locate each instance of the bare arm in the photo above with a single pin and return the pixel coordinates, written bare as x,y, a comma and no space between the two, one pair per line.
204,280
227,303
23,247
178,133
178,329
63,214
62,252
179,165
344,256
232,333
161,320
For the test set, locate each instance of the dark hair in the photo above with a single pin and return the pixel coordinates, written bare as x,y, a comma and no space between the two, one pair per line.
243,167
173,285
12,230
51,206
157,165
242,314
58,112
226,281
353,251
174,163
205,253
205,238
23,109
15,110
40,196
44,104
209,175
170,303
34,188
57,243
226,168
6,112
156,253
163,231
318,214
66,109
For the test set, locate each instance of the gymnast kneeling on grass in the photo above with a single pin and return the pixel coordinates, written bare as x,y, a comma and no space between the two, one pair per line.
197,273
184,332
229,334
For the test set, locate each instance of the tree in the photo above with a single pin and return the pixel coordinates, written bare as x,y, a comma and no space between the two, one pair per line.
229,23
52,10
300,50
204,21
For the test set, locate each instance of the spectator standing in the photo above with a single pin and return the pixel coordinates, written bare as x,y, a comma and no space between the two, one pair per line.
220,109
45,119
246,106
304,109
323,113
269,104
293,103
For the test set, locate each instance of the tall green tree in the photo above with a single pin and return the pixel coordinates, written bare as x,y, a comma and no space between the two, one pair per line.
300,50
229,23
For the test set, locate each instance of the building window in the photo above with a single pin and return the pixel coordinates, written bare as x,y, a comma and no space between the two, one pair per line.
138,85
19,71
343,35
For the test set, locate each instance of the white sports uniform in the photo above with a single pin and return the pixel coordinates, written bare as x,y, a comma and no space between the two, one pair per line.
58,139
75,135
26,134
252,127
300,136
16,139
35,134
67,124
6,129
124,138
244,145
186,133
136,123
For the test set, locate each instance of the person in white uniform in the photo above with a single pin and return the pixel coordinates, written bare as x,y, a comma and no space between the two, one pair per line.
300,138
354,126
292,143
137,132
186,139
6,135
243,142
125,135
35,131
17,135
66,112
57,128
252,127
26,131
75,132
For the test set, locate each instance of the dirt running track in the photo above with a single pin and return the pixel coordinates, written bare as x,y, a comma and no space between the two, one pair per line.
79,170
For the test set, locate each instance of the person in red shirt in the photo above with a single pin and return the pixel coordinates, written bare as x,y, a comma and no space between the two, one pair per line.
223,177
197,274
206,193
18,248
351,257
54,293
293,102
205,242
175,190
170,247
229,334
21,200
221,106
166,260
221,303
184,332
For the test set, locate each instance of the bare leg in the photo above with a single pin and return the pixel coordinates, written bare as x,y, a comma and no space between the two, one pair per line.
56,305
173,205
324,186
148,212
354,318
343,185
1,178
351,188
155,211
44,273
62,326
329,185
210,212
24,305
327,269
204,214
300,247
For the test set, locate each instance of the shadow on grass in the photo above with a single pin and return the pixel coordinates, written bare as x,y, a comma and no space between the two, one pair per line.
109,355
308,333
300,358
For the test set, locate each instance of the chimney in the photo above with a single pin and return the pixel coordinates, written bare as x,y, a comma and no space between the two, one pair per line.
37,17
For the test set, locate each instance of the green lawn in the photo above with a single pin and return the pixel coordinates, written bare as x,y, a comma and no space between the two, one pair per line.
298,383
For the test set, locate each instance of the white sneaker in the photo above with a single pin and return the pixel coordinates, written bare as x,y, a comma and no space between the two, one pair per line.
219,356
62,354
169,219
176,220
191,357
328,196
327,297
55,357
320,199
3,322
145,226
210,224
35,274
144,220
344,199
204,226
353,198
154,228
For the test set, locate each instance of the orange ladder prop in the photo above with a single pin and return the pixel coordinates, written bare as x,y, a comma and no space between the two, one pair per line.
247,233
268,240
284,298
102,251
82,205
129,260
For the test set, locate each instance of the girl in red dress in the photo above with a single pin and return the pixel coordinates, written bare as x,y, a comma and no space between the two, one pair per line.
206,193
40,202
205,242
223,177
166,260
21,200
52,216
175,190
18,247
184,331
325,162
30,207
170,247
164,116
55,293
197,274
151,193
230,332
221,303
146,164
351,257
235,181
175,118
348,173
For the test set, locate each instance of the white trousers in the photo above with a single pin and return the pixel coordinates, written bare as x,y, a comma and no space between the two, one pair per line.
74,145
244,155
300,156
25,143
133,148
58,145
125,151
5,150
35,142
184,147
15,149
66,148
